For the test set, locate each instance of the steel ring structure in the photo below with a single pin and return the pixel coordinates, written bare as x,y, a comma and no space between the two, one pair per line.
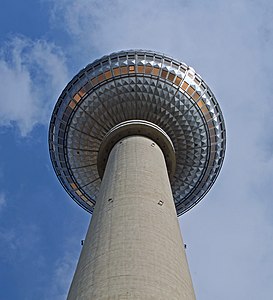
137,85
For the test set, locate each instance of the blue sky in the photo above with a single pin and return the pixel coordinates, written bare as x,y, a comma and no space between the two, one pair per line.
229,235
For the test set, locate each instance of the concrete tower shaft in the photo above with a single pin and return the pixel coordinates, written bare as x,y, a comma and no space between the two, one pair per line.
133,248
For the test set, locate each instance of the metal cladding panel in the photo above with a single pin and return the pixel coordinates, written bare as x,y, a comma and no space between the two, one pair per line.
145,85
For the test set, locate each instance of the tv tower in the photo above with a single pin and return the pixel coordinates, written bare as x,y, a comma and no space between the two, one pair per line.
136,138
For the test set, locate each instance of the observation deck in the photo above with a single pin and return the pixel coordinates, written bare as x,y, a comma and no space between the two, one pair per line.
141,86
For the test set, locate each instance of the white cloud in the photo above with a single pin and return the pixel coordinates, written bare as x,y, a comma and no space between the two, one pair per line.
63,271
2,201
32,74
185,29
19,242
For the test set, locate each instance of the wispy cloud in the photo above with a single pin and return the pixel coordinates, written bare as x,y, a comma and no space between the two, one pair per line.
63,271
2,201
32,74
18,242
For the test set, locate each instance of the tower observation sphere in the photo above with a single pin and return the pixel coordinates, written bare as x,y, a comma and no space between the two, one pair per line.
131,130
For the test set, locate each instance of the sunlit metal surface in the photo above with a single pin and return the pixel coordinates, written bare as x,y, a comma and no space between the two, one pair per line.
140,85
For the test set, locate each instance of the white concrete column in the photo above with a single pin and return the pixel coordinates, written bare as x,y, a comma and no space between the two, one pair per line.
133,248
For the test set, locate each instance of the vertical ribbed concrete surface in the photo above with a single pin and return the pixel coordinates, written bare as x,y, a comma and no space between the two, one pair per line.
133,248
